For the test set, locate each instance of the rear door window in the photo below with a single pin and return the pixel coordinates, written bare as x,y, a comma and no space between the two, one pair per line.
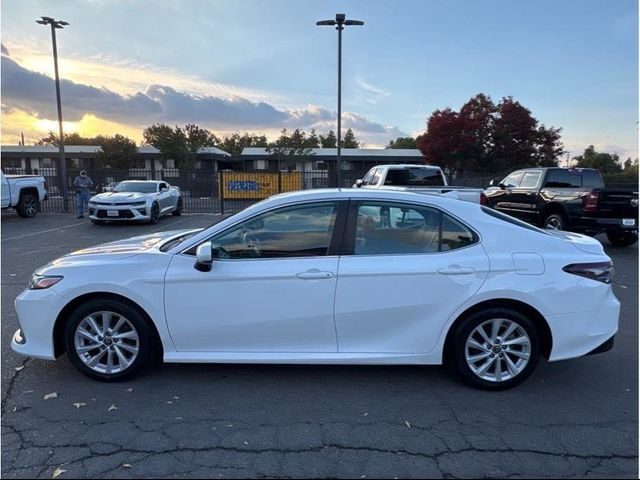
513,180
564,178
414,177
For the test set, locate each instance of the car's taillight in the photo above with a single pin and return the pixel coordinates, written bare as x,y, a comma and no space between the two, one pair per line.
483,199
590,202
600,271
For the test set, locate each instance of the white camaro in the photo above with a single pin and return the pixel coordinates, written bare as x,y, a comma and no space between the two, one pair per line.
138,200
330,277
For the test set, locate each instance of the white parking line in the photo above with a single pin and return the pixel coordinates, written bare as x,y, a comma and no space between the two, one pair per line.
40,232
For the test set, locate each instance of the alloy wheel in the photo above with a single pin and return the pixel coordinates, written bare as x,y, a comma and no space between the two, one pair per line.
106,342
498,350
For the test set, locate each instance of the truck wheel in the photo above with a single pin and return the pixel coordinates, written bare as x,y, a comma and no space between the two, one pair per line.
555,221
620,238
28,205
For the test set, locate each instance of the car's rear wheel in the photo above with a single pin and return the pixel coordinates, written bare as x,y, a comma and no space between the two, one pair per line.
178,211
620,238
109,340
555,221
28,205
155,214
494,349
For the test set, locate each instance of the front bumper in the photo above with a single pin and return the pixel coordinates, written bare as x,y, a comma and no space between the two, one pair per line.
37,311
119,212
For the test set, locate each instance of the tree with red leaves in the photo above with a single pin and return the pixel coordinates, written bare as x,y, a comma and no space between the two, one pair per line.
486,137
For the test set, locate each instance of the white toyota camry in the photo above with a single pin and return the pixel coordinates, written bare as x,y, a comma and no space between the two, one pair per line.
330,277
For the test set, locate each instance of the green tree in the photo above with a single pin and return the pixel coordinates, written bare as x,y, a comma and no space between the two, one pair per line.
349,140
402,142
180,144
289,148
329,141
606,163
117,152
69,139
235,143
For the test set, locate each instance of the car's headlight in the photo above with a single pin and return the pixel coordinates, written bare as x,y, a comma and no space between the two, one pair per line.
40,282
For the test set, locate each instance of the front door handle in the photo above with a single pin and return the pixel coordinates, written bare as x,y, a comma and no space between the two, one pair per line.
314,274
456,270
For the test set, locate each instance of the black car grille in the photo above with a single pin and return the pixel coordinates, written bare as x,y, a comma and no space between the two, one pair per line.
121,214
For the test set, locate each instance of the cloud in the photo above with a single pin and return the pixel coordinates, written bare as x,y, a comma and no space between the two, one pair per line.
34,93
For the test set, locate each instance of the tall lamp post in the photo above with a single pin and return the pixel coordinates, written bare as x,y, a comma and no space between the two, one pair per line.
55,24
340,22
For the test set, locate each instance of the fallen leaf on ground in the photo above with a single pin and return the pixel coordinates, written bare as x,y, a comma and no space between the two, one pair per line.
130,389
79,405
19,368
57,472
112,407
51,395
126,465
406,422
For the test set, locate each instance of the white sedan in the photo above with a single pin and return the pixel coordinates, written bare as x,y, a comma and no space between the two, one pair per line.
330,277
137,200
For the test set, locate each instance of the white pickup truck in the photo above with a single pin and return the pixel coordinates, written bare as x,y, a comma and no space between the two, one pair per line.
427,179
23,192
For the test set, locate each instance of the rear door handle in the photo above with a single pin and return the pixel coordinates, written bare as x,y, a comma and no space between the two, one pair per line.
314,275
455,270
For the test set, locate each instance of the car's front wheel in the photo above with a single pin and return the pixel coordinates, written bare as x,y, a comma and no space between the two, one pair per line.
494,349
109,340
154,214
178,211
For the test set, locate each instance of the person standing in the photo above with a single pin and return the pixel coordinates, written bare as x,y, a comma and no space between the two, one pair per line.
82,183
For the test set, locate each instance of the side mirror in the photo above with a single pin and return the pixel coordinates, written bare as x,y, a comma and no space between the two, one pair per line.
359,183
204,257
502,186
492,183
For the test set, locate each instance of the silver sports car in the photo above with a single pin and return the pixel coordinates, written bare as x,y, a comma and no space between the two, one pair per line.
138,200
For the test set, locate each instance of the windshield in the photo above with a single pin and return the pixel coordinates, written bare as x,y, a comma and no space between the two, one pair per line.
509,219
138,187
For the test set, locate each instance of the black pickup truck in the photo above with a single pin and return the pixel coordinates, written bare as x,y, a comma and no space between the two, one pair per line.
568,199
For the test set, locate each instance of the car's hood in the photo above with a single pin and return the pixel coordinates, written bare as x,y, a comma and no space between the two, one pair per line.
118,250
120,197
582,242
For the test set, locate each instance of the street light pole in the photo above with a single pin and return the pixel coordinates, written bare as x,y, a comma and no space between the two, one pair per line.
62,169
339,23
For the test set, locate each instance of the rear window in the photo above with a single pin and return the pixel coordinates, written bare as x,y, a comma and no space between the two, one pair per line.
414,177
511,220
573,178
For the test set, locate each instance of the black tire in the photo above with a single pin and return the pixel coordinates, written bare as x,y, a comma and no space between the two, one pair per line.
555,221
455,357
28,205
98,222
155,214
178,211
148,346
620,238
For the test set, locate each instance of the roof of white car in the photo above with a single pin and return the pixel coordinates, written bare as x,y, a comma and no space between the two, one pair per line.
368,193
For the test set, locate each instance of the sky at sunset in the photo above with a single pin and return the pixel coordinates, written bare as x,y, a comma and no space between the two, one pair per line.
260,66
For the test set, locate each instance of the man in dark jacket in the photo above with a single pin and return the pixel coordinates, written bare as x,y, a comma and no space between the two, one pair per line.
82,183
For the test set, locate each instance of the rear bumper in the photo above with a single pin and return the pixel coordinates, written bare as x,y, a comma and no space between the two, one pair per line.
581,333
599,224
605,347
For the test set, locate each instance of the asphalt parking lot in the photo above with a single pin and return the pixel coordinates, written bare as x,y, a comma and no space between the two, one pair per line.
571,419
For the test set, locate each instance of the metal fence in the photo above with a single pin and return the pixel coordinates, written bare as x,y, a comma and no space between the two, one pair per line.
207,191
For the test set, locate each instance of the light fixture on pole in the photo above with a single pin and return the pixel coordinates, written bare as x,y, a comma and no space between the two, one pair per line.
340,22
62,169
